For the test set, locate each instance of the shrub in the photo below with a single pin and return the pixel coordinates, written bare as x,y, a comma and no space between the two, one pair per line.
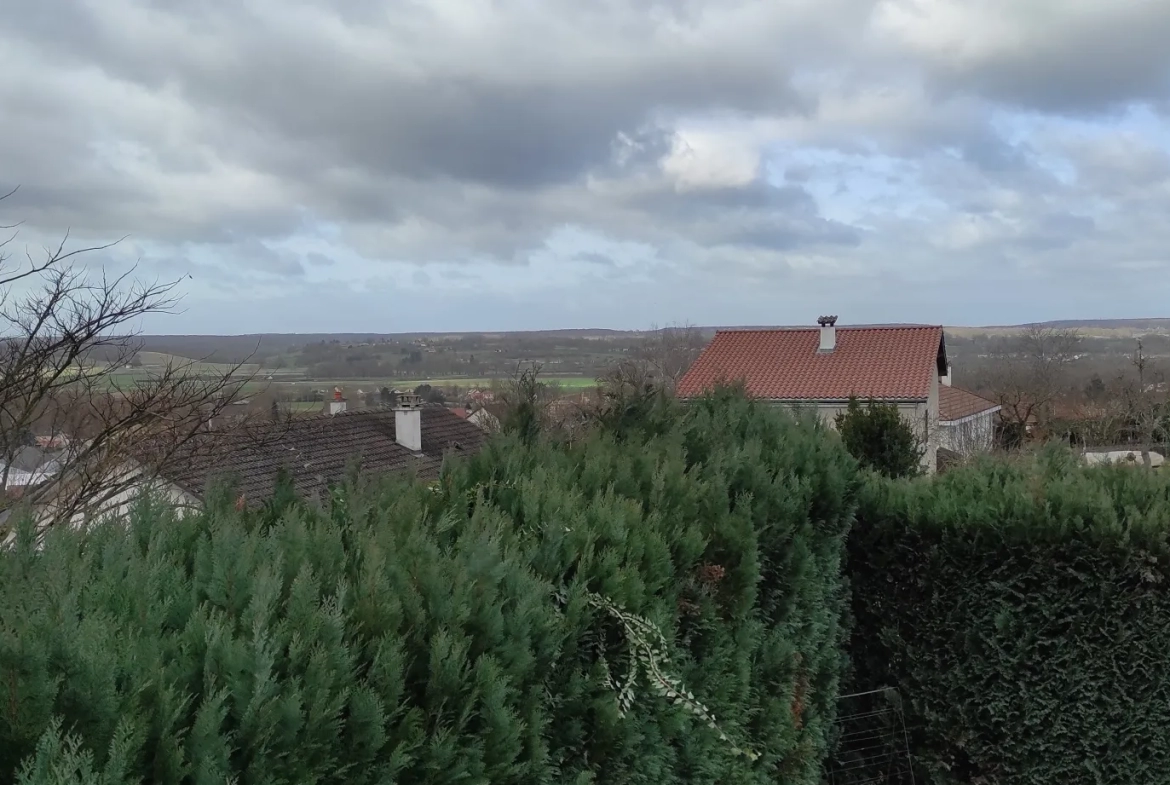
880,438
1022,609
659,609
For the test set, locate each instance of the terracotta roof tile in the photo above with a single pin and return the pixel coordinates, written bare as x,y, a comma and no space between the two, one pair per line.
955,403
886,362
316,451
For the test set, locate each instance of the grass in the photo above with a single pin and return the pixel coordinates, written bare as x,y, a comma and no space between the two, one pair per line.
158,360
567,382
302,406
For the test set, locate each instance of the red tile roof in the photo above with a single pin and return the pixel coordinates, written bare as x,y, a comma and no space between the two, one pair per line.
886,362
955,403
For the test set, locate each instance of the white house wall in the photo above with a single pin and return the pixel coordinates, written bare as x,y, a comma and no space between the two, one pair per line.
970,435
921,416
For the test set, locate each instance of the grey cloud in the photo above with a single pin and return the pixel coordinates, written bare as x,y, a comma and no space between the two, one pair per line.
595,258
319,259
1081,58
356,114
260,257
223,128
1057,231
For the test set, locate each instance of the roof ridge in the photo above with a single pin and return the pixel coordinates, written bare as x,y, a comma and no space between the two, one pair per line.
797,329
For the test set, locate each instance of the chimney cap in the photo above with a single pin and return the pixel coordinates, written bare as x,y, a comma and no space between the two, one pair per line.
409,401
827,321
337,394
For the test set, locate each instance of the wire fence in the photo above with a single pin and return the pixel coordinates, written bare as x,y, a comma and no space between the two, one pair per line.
871,741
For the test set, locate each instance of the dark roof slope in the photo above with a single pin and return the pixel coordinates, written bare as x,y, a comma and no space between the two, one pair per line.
891,363
317,451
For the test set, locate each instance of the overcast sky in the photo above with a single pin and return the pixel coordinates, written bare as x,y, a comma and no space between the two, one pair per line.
391,165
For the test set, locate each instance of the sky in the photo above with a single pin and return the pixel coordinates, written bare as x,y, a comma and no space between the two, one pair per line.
456,165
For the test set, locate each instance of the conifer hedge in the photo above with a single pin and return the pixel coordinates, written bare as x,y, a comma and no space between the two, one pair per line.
1023,612
660,605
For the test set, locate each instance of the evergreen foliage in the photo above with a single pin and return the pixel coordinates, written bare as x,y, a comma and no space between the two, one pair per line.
661,608
880,439
1022,609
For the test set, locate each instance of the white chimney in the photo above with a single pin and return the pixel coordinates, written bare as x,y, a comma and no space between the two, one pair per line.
945,379
408,421
828,334
337,405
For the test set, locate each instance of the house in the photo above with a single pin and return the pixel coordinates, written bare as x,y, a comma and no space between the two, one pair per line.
53,440
486,417
481,396
316,452
966,421
1126,456
824,366
29,466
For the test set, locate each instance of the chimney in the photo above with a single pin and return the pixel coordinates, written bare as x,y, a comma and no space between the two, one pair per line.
408,421
337,405
828,334
945,379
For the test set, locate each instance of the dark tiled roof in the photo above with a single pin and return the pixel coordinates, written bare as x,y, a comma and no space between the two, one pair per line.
34,459
955,403
317,451
892,363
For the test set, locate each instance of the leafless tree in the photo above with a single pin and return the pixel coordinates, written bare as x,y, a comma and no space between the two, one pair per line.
666,354
66,335
1143,399
1029,374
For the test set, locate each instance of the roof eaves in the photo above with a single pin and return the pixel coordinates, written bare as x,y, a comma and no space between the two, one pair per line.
971,416
878,399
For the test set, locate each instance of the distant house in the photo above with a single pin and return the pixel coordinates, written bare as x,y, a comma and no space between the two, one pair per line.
823,367
966,421
410,438
484,418
28,467
316,452
1126,456
53,440
481,396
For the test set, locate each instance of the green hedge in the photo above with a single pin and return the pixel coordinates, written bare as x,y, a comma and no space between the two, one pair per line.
1022,610
480,630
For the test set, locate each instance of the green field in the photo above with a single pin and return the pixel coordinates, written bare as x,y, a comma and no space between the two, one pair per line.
154,361
568,382
302,406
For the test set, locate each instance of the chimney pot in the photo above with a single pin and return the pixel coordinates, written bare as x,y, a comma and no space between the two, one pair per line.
828,334
408,421
337,405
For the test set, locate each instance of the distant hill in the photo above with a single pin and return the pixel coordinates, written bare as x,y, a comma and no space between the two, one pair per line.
1091,328
1104,324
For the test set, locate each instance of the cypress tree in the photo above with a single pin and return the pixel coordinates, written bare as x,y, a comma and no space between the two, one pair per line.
661,607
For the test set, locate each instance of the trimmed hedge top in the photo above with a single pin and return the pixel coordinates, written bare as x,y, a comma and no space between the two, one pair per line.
1023,611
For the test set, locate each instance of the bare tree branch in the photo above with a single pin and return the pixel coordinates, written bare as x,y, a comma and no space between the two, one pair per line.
1030,372
667,353
64,346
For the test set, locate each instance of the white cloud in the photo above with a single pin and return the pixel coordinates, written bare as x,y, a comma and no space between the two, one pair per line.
709,159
